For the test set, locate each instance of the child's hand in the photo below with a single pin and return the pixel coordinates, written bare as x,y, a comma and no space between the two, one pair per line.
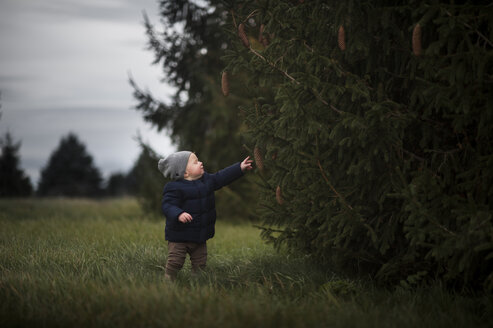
185,217
246,164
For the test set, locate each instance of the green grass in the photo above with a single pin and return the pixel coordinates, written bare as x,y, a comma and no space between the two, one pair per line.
81,263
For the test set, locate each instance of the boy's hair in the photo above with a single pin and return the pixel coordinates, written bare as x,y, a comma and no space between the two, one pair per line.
174,166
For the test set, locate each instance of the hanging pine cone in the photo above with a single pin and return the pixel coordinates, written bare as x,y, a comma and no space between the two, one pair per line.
258,158
261,37
261,34
341,38
225,84
417,50
243,36
279,199
265,41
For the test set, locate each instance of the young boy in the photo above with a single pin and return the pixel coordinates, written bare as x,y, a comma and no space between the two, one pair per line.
189,206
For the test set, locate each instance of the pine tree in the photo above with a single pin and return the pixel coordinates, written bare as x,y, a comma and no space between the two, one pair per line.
200,118
375,133
13,180
70,171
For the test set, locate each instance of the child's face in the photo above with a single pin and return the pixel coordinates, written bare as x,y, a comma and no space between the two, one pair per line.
195,169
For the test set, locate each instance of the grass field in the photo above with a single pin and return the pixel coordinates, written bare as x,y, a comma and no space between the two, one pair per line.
83,263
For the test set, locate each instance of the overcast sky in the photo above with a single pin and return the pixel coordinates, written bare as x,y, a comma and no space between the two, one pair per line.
64,67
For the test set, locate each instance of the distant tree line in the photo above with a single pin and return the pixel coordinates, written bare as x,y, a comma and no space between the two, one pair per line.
71,172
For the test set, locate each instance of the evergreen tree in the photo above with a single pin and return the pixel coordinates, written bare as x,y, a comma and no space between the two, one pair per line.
13,180
375,140
200,118
146,180
70,171
119,185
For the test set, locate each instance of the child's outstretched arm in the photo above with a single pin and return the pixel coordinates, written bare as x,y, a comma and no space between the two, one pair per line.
231,173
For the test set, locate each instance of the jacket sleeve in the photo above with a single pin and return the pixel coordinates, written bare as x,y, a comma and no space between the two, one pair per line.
171,203
225,176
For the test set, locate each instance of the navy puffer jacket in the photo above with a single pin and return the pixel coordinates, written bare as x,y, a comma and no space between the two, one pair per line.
196,198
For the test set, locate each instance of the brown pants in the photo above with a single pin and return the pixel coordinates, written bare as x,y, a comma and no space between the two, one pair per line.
177,253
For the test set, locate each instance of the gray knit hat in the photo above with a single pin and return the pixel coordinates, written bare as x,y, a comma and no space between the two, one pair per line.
175,165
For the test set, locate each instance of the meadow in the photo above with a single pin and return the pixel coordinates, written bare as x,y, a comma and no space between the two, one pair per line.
86,263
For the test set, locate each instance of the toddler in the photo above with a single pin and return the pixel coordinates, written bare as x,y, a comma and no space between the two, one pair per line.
189,206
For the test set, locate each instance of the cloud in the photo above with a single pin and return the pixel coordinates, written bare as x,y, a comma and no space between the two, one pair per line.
64,67
71,61
63,10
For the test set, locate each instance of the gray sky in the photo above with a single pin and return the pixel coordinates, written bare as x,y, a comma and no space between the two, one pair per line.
64,67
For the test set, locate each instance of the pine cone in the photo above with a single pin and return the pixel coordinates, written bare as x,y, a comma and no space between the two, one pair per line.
258,158
243,36
341,38
279,199
265,41
261,37
225,84
261,34
417,50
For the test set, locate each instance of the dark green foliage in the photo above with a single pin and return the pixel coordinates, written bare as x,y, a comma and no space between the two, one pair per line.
384,158
70,171
199,118
13,180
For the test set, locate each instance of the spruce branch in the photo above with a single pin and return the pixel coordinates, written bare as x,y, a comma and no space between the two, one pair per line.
267,229
317,95
361,255
286,74
234,20
432,220
411,154
417,203
481,35
443,152
332,187
307,46
253,13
